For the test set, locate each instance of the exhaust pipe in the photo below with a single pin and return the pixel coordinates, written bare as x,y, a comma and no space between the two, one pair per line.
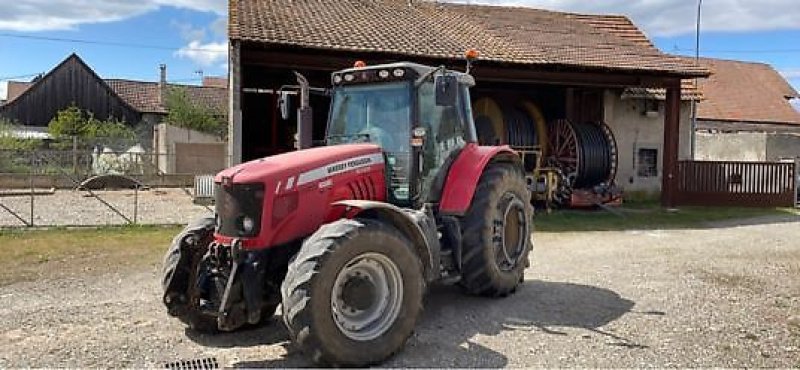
305,116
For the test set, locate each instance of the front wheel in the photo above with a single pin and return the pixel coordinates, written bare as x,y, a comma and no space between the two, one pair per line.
497,229
353,293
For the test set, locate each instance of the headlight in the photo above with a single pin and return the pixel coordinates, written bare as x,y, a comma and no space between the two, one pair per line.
349,77
337,79
383,74
399,72
248,224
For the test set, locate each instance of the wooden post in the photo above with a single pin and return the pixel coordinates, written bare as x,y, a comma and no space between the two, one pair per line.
75,154
234,104
672,122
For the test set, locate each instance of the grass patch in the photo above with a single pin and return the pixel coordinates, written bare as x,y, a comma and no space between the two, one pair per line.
648,216
33,254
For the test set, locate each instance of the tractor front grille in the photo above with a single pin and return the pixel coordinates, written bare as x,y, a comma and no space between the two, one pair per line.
234,203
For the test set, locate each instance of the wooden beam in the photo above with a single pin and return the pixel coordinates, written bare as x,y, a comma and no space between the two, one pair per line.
483,71
672,117
234,104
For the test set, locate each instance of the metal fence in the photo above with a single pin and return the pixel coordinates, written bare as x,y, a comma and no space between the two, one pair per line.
75,184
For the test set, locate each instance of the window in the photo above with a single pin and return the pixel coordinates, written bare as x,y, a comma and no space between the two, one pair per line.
444,127
647,162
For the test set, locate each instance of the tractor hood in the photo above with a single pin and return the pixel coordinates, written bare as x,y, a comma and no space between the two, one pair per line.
282,198
283,167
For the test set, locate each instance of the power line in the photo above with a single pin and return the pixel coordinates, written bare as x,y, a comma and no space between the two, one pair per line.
19,76
109,43
742,51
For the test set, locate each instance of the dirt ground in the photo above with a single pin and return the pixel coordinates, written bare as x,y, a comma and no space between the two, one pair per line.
726,295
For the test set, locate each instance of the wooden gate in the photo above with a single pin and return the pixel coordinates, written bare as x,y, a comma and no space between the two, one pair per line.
749,184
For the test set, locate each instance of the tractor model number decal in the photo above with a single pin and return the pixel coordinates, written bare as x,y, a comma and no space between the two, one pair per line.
339,167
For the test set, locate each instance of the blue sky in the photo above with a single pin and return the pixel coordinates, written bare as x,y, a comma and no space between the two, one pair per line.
189,35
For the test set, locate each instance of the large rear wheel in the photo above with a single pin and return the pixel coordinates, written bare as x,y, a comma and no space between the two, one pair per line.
353,293
496,239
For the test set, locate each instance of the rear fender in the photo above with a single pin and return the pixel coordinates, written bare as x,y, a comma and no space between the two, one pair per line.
418,226
465,173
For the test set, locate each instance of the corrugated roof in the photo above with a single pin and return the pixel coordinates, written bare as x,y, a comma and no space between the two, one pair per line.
514,35
746,92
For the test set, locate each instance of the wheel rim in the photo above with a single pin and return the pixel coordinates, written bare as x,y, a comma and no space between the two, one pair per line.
366,297
513,234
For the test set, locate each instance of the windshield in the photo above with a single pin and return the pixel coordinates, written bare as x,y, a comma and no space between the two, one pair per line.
380,114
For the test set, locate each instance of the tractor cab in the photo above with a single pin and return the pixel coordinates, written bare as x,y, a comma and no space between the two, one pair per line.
419,115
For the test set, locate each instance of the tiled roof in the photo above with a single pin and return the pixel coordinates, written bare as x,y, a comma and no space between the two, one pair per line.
746,92
145,96
689,91
617,25
515,35
16,88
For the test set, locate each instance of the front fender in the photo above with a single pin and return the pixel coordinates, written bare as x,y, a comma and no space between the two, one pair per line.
465,173
418,226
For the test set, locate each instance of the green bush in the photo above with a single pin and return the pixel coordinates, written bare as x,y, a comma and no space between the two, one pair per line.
68,122
183,112
9,142
74,122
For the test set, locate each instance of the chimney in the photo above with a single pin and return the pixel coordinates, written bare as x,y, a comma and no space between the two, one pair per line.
162,84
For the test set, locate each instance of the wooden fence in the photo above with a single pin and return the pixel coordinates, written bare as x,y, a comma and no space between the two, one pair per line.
750,184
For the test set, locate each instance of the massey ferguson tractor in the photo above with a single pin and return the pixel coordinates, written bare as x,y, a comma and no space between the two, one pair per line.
347,237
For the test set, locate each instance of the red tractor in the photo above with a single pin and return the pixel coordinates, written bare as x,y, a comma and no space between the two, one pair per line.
346,237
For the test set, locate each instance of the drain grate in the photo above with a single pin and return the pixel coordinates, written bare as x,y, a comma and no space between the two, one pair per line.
207,363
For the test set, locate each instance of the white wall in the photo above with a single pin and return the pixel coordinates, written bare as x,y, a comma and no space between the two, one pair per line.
634,130
167,137
736,146
747,146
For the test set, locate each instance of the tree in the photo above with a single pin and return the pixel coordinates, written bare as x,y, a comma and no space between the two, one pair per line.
183,112
73,122
68,122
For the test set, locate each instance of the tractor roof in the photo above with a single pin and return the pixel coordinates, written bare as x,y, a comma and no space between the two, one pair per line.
419,69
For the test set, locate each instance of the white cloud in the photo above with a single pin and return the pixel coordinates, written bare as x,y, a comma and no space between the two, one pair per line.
676,17
204,54
48,15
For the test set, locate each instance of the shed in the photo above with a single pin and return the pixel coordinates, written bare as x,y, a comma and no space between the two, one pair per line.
573,66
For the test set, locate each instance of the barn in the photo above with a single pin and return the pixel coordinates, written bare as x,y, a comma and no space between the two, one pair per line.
543,77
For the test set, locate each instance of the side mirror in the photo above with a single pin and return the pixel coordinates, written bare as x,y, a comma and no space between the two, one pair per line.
283,103
446,90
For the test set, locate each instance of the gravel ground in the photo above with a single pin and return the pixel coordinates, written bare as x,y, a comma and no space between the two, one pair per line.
69,208
723,296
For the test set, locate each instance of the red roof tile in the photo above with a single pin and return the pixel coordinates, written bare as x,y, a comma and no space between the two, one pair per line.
502,34
145,96
746,92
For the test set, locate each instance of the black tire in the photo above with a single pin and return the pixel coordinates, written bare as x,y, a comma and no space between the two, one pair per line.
307,292
500,212
194,239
